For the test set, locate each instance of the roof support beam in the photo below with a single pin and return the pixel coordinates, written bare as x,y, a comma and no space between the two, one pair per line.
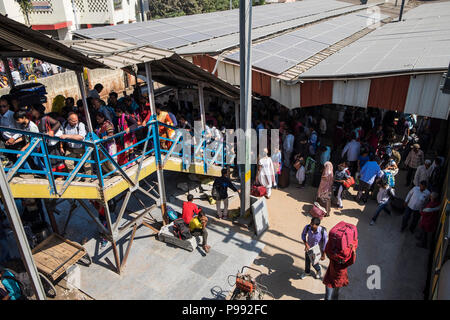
156,143
245,45
21,238
8,73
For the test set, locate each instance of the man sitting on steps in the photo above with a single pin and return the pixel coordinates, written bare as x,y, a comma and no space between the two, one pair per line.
197,225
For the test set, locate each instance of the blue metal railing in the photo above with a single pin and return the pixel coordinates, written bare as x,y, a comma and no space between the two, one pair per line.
37,159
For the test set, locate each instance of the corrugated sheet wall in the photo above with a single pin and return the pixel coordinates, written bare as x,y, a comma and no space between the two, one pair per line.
229,73
411,94
316,93
288,96
205,62
425,98
261,83
389,93
351,92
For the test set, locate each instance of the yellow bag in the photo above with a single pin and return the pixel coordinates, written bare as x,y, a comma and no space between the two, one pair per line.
195,224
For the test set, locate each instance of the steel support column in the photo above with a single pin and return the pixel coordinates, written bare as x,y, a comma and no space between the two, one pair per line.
8,73
245,45
401,10
236,113
201,101
21,238
159,169
82,86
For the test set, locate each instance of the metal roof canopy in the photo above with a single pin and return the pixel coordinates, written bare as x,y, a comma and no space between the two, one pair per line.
232,40
418,44
181,32
281,53
19,41
167,67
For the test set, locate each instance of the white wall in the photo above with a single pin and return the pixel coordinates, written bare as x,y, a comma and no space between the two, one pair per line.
12,9
61,11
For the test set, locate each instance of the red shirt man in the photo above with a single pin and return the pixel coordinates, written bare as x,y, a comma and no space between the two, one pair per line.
189,209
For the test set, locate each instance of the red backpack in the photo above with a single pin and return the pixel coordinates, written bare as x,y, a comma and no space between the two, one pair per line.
258,191
340,238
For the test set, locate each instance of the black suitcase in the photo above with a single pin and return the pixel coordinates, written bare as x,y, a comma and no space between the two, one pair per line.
397,204
316,178
283,179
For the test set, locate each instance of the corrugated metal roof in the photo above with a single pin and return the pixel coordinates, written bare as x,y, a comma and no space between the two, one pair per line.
231,41
419,43
18,40
167,67
117,54
201,33
281,53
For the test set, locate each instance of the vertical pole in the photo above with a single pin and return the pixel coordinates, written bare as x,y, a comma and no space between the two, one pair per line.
83,98
21,238
159,169
401,10
8,73
141,5
178,99
201,101
236,113
245,43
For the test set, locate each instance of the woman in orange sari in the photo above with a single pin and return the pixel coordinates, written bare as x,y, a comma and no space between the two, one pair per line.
163,116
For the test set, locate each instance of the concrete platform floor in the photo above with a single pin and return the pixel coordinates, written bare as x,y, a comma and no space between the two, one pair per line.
402,264
156,270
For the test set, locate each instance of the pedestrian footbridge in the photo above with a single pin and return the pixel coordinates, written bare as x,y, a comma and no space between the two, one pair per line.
31,176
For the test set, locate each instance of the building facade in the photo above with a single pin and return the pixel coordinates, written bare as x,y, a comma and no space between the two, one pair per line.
58,18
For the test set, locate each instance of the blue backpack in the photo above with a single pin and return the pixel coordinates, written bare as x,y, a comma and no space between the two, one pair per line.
388,178
173,215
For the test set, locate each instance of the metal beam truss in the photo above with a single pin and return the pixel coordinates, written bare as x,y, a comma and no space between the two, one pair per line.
36,160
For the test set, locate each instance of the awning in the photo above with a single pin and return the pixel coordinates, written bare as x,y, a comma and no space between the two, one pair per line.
19,41
117,54
167,67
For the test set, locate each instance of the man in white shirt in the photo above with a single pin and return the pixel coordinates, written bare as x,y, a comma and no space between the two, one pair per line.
415,201
383,197
352,149
46,69
15,74
26,124
9,140
423,172
75,130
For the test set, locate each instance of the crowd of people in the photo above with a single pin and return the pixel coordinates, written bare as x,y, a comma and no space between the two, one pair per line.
128,114
364,150
26,69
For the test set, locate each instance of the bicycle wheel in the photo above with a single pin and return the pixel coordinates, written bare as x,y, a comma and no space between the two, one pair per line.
49,288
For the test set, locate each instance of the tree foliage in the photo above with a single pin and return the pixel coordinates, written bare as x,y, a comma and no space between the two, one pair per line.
174,8
26,7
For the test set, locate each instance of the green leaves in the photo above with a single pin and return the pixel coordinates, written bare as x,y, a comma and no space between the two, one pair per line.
174,8
26,7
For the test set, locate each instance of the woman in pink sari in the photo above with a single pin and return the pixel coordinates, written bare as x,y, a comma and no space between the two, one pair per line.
126,123
326,187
